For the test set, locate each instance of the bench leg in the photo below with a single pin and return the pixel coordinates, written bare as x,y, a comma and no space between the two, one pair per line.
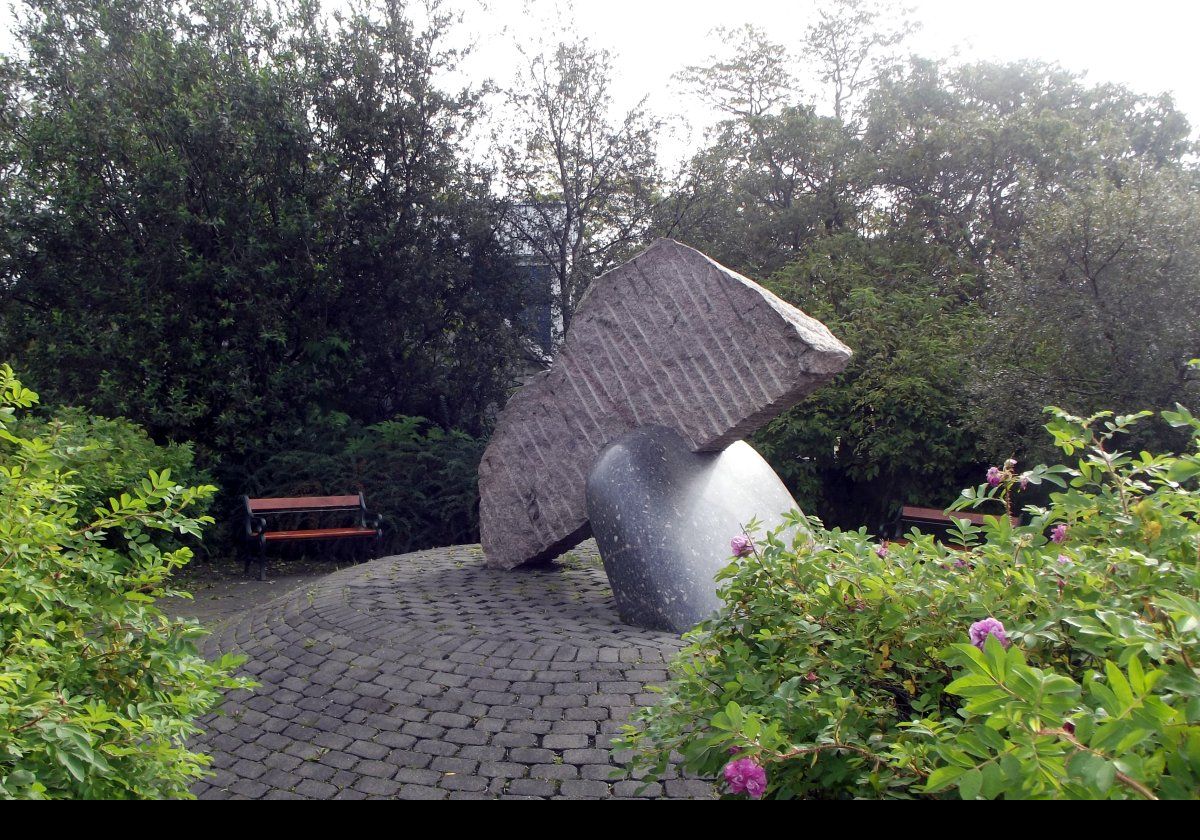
262,560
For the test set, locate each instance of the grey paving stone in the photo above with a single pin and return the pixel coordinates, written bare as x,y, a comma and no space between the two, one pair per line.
554,771
421,792
638,789
583,790
339,760
474,784
453,765
436,747
428,676
564,742
249,788
532,787
412,775
375,769
377,787
350,793
282,794
503,769
368,749
531,755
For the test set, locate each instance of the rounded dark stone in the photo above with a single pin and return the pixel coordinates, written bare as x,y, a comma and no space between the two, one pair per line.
663,517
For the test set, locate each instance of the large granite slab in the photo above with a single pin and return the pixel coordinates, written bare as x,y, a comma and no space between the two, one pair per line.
671,338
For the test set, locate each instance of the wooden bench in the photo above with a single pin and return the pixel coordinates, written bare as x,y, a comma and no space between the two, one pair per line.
305,510
913,516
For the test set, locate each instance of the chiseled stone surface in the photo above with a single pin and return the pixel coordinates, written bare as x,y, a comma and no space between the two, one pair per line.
429,676
663,517
670,338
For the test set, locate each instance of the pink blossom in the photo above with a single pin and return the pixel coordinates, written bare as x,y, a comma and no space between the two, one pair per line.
994,476
741,545
989,626
1059,533
744,775
881,551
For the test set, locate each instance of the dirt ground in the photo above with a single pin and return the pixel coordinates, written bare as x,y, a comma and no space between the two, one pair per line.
220,590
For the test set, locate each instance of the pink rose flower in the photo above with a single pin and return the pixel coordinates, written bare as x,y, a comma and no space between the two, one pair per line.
741,545
746,776
980,630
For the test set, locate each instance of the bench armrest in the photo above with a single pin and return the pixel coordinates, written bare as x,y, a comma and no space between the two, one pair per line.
372,520
255,526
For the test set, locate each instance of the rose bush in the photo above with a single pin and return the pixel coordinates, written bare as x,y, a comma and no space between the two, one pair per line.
1051,659
99,690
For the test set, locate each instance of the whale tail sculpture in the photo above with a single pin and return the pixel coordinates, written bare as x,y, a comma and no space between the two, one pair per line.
669,339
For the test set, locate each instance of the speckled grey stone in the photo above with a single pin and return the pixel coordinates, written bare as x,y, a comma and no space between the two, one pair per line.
670,338
663,517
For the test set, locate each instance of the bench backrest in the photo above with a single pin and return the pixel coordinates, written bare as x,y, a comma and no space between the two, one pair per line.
305,504
934,516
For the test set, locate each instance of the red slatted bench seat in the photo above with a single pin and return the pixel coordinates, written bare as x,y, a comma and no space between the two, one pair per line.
913,516
367,525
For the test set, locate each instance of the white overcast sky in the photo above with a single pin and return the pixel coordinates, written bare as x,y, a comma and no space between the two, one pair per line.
1151,46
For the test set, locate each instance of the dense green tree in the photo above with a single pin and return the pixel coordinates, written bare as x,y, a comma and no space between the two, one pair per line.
775,172
966,151
1063,210
765,188
1101,309
234,223
893,427
1076,203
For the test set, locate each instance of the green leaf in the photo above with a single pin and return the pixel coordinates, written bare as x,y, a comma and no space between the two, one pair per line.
969,784
1184,469
942,778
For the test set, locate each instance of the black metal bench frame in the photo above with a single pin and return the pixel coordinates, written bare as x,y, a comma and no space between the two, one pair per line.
257,534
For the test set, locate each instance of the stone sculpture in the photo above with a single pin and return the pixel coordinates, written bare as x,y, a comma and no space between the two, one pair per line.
663,517
670,338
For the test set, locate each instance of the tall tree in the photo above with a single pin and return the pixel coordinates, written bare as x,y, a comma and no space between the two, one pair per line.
247,226
750,77
895,427
1061,209
583,182
851,45
1102,308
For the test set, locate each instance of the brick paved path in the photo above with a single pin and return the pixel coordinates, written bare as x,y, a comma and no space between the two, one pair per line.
427,676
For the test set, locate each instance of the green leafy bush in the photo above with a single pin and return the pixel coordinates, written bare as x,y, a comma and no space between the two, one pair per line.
109,455
98,689
1052,659
419,477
